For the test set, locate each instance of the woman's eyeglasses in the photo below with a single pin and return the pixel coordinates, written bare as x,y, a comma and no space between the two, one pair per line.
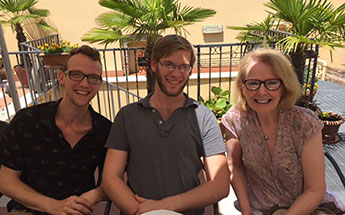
79,76
270,84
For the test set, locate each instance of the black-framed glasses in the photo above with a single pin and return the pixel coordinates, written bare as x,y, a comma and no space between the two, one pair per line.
76,75
184,68
270,84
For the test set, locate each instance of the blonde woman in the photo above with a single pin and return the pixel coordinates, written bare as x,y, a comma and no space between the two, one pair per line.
275,151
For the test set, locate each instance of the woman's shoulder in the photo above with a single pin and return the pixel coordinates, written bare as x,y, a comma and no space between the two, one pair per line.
233,113
303,121
301,113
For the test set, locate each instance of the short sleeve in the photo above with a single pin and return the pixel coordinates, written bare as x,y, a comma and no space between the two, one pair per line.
211,135
231,120
311,124
117,138
11,143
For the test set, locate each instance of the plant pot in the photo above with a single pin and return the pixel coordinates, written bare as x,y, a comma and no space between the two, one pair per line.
21,74
331,127
55,60
307,104
306,94
2,73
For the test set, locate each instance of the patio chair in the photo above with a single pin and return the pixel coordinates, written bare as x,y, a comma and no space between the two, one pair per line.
336,167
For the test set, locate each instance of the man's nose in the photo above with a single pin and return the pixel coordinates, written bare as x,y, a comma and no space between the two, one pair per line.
84,81
176,71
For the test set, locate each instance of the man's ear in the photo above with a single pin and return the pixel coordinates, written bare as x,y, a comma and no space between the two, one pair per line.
153,65
62,77
191,72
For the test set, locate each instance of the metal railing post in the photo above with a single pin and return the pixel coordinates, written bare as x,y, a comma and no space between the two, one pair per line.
9,73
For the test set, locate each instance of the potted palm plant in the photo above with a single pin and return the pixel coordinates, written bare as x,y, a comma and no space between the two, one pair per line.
14,13
308,22
143,20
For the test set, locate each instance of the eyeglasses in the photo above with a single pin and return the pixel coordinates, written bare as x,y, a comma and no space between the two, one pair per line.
184,68
79,76
270,84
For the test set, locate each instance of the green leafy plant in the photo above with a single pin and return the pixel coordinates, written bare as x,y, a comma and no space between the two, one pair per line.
324,115
219,103
136,20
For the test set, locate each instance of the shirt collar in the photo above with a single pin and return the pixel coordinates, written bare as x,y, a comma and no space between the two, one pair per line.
189,101
55,108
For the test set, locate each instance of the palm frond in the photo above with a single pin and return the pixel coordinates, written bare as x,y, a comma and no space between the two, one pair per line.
22,18
17,5
190,14
44,25
112,19
102,36
127,7
39,12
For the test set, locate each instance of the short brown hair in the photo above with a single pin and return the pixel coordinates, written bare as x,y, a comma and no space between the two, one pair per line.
165,46
281,67
85,50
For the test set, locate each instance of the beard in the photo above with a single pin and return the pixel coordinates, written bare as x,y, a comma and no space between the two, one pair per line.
164,89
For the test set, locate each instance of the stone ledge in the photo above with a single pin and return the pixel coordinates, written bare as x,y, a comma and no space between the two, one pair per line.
335,75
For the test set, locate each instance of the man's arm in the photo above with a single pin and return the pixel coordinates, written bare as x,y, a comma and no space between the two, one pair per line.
113,182
94,196
13,187
216,188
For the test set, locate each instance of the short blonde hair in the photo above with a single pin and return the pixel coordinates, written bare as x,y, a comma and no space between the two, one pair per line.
281,67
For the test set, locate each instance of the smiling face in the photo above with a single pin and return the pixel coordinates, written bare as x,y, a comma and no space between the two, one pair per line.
262,101
171,83
80,93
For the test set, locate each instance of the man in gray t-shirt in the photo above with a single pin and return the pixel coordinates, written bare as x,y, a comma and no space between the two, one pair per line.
160,140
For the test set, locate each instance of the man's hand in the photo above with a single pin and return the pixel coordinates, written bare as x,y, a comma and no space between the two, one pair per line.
73,205
149,204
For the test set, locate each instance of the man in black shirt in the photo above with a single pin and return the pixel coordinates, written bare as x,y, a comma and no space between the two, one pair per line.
52,150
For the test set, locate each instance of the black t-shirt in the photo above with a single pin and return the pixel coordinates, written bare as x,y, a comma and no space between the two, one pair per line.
34,145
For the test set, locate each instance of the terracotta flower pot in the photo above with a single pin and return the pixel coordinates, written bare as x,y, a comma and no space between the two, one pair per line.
55,60
331,127
306,94
21,74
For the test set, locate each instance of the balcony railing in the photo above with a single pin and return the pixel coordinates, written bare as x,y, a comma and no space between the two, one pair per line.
123,76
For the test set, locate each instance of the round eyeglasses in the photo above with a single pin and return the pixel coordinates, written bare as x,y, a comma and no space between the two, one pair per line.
184,68
76,75
270,84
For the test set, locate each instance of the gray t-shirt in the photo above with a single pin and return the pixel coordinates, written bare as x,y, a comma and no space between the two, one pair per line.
164,156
